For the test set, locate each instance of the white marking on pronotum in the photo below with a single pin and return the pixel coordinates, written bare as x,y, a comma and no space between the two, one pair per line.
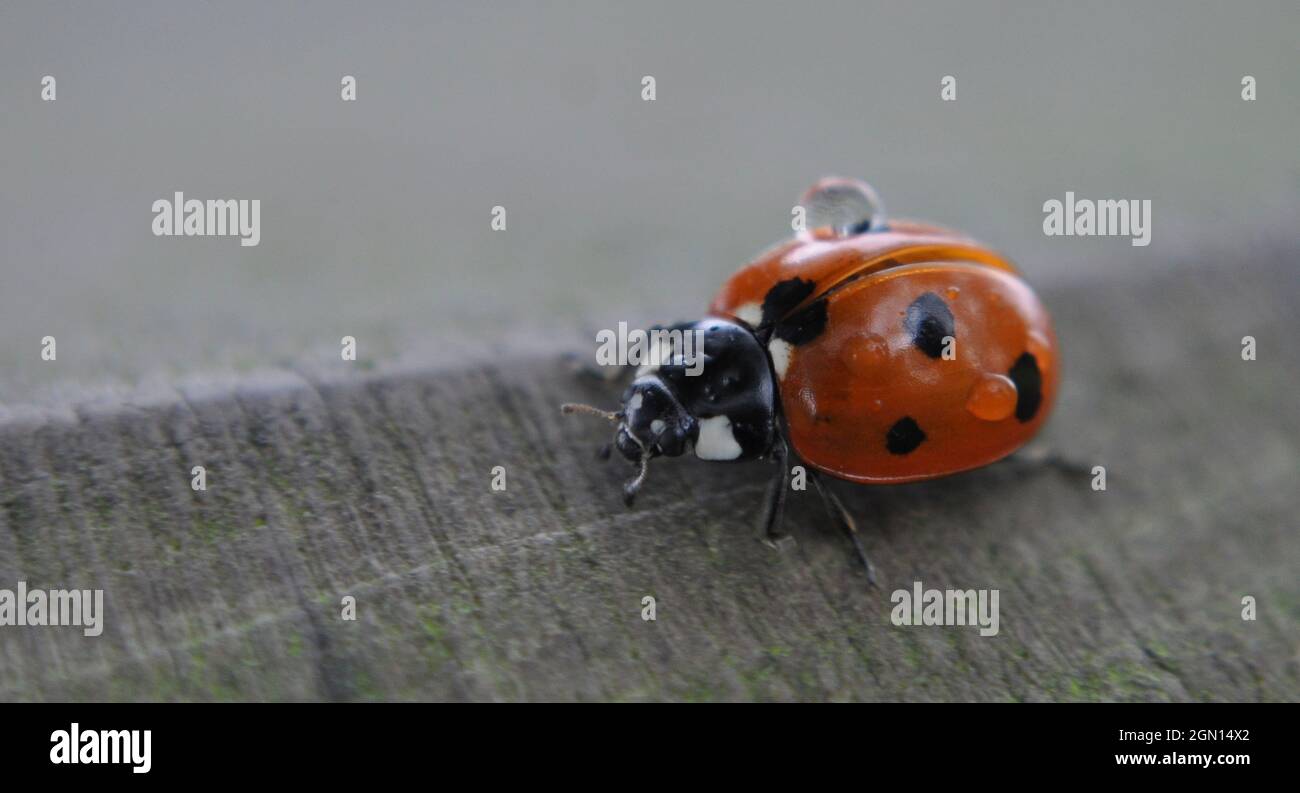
780,351
750,313
716,441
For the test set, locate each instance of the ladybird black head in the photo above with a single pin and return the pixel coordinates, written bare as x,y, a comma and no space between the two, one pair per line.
714,394
654,422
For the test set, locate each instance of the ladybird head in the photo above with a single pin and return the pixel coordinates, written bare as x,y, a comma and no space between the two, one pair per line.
707,386
654,423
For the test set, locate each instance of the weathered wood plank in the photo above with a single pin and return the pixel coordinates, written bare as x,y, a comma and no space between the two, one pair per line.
378,487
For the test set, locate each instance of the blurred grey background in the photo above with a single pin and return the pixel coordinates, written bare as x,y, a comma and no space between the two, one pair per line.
375,214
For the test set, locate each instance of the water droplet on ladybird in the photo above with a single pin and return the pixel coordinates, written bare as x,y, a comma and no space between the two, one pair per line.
847,206
992,398
952,292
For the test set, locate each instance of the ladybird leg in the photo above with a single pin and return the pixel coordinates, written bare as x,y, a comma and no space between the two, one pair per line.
848,525
772,534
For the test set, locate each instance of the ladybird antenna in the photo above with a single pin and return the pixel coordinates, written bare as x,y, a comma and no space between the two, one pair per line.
576,407
634,484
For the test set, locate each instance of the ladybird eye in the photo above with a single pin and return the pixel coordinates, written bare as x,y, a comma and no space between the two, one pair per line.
846,206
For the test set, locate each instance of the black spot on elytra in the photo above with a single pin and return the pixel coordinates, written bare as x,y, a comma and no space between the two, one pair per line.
783,297
904,436
1029,386
929,320
804,325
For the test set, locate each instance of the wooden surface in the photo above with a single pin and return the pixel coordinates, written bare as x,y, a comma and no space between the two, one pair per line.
378,486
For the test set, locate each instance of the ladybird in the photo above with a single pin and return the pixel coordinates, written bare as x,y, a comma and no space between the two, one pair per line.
877,351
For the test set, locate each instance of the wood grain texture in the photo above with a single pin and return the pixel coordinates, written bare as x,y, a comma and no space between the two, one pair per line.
377,486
